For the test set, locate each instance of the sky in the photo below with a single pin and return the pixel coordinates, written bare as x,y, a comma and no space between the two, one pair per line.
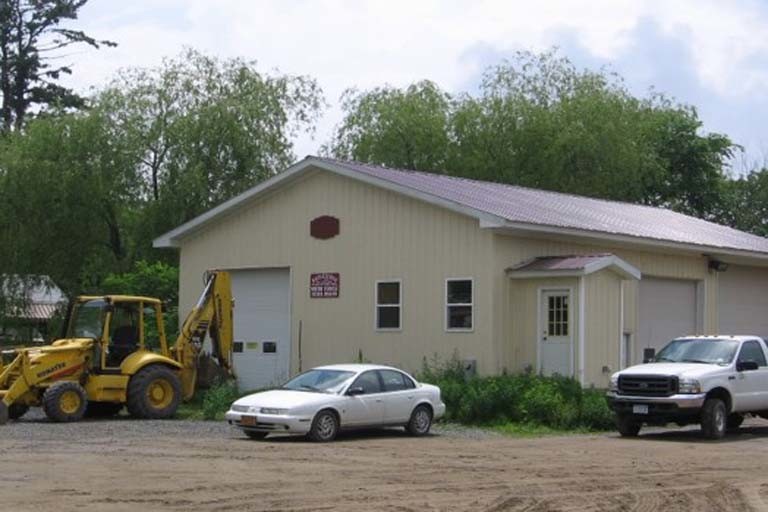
707,53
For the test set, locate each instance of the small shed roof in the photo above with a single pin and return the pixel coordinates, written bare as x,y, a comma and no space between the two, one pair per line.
572,265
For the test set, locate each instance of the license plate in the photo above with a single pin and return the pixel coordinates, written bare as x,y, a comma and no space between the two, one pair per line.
248,420
640,409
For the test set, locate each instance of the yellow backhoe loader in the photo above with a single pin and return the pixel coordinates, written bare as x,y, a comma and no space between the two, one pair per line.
115,354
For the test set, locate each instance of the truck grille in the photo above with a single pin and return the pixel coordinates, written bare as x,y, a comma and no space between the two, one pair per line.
647,385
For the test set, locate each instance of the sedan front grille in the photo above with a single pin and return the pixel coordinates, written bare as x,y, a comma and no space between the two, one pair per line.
647,385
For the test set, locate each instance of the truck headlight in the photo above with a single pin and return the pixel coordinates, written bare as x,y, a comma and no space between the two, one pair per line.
271,410
689,386
614,385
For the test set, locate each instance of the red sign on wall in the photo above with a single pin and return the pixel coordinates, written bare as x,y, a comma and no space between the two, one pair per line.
324,285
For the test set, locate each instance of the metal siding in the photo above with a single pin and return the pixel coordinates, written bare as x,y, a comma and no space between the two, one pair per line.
382,235
602,327
515,313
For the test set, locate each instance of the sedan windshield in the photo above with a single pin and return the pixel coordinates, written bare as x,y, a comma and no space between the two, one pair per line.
708,351
321,381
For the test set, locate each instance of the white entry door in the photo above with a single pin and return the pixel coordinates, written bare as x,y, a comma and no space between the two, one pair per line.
555,340
262,326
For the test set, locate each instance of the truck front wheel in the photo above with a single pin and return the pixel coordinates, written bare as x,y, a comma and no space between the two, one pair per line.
627,425
714,418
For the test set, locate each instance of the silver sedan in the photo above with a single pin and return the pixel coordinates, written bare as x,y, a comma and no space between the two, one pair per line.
324,400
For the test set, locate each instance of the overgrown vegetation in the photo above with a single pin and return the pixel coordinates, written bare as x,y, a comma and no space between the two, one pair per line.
525,399
212,403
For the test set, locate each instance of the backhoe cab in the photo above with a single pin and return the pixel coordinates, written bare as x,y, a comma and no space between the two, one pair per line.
115,354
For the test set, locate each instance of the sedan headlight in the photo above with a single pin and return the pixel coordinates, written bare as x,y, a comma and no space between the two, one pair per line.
272,410
614,386
689,386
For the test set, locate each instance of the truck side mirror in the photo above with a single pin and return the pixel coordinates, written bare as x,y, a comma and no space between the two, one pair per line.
649,354
745,366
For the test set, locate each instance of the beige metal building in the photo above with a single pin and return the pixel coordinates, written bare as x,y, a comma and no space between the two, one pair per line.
333,261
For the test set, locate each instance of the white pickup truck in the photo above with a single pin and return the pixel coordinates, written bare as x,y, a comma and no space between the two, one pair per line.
711,380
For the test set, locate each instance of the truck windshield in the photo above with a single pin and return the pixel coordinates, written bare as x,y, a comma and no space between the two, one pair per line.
696,350
87,318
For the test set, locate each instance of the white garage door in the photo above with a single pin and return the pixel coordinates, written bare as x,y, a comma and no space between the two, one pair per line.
667,310
743,300
262,327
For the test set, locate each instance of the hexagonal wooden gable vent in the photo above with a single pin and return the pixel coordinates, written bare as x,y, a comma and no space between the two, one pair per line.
324,227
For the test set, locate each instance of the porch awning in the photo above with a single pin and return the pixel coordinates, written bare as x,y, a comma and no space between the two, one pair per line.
572,266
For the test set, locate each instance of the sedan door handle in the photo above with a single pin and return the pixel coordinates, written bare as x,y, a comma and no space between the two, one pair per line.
410,398
379,400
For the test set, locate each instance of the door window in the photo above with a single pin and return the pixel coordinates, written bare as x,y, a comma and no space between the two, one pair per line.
557,315
369,381
394,381
751,351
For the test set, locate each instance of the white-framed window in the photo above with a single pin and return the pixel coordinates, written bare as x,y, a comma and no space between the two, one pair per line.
389,302
459,304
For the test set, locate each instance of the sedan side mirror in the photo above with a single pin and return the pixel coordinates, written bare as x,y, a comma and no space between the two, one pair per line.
357,390
743,366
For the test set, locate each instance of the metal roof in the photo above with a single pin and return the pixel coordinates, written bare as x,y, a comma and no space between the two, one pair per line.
545,208
507,206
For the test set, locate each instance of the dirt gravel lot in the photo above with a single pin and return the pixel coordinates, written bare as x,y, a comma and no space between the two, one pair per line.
128,465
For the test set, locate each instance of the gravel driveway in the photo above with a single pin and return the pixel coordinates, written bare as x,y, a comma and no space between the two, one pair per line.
128,465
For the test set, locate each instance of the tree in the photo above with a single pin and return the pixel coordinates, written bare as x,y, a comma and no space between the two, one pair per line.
204,130
31,37
745,203
401,128
538,121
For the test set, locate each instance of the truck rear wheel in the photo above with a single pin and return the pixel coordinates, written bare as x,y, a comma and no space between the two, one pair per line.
713,418
154,393
734,421
627,425
65,401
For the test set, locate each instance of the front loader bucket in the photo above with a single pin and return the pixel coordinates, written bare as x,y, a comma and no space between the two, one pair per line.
3,413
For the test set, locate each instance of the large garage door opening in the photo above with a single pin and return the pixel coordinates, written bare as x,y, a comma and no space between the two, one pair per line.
742,301
667,310
262,326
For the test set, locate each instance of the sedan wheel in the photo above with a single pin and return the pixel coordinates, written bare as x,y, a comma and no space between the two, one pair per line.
420,422
324,427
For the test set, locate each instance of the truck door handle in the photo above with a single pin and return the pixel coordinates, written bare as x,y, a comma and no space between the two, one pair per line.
410,398
731,377
379,400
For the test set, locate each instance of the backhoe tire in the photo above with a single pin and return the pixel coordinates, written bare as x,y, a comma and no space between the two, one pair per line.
16,411
714,418
3,413
102,409
154,393
65,402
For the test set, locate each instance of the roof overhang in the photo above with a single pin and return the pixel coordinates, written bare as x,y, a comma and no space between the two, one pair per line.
532,269
486,220
172,238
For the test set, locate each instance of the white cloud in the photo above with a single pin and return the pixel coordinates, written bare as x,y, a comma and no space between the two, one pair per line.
347,43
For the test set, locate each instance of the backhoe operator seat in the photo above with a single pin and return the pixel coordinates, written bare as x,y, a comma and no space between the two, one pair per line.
124,342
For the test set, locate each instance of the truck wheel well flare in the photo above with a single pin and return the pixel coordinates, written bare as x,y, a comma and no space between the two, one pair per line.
723,395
